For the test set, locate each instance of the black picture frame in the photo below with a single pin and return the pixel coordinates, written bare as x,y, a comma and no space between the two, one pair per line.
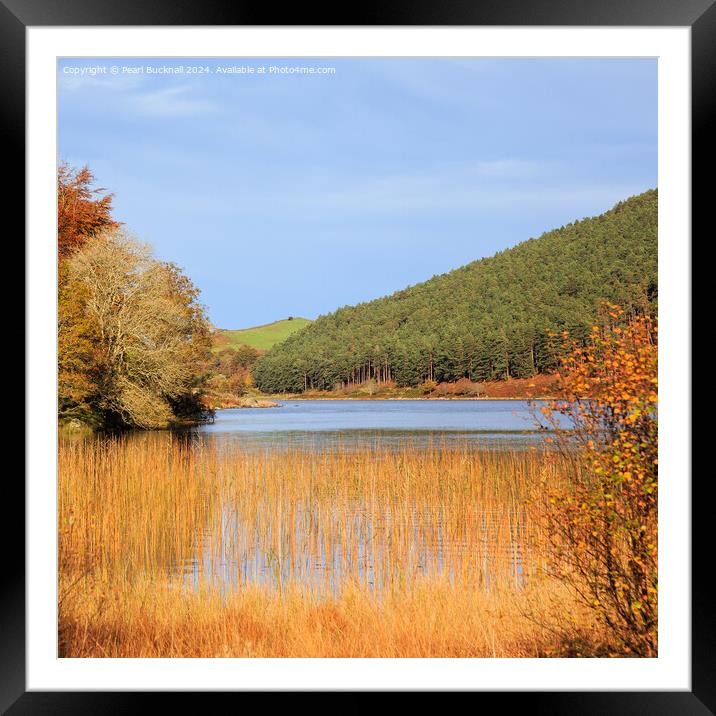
699,15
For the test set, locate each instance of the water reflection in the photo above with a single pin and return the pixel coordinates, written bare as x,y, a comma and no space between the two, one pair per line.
357,545
309,501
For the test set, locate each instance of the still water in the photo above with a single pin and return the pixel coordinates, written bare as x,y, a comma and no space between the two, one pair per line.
369,491
379,423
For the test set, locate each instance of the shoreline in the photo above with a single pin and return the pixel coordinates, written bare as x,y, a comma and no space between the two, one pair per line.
296,398
543,387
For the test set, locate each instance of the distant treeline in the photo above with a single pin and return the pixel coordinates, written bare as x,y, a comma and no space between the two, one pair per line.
496,318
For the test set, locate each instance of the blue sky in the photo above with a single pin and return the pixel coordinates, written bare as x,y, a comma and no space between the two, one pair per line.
294,194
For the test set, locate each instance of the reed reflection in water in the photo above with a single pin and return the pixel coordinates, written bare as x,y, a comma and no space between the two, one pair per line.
216,514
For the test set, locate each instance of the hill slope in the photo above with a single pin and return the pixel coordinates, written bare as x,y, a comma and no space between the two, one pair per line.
261,337
490,319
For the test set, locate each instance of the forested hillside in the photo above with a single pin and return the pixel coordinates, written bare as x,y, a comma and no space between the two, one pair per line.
491,319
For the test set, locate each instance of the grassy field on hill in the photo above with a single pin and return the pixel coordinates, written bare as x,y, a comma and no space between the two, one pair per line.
261,337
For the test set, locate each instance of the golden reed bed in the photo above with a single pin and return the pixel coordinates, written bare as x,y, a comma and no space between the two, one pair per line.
168,549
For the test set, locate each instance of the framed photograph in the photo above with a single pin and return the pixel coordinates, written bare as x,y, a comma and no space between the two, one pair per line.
355,351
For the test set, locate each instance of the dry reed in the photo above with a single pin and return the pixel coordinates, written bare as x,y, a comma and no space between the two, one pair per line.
171,549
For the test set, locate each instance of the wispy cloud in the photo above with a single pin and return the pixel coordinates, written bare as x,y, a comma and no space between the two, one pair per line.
172,101
423,196
91,83
477,188
456,186
443,83
133,95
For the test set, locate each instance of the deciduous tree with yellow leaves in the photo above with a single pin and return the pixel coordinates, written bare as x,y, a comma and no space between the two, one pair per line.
603,528
133,340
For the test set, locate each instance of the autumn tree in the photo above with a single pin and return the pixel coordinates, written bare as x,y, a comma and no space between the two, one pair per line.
144,334
603,527
82,210
78,353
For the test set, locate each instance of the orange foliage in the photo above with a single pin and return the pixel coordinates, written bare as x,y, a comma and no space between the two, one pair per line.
81,213
603,530
464,386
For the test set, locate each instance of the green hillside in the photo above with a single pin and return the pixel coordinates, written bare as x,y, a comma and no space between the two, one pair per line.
261,337
491,319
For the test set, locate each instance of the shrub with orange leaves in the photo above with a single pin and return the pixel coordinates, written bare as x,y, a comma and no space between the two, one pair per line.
602,526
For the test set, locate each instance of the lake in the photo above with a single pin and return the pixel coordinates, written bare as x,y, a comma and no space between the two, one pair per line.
293,530
317,495
355,423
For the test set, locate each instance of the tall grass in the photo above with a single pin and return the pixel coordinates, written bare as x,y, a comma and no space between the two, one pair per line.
171,549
